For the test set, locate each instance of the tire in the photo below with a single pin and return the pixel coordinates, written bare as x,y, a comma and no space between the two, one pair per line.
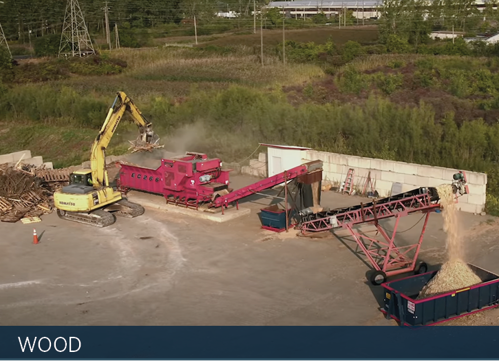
421,268
377,277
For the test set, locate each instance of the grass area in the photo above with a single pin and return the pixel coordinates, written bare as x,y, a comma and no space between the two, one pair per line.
64,146
175,72
363,35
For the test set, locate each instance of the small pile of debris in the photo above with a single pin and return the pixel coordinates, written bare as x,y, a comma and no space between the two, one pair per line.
26,191
138,146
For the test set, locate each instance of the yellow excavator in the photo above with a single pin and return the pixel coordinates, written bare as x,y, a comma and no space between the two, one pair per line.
90,198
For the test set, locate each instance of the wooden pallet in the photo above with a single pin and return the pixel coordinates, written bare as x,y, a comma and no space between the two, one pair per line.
5,205
53,175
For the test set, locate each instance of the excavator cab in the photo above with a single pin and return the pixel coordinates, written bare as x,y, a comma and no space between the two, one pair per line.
80,182
82,177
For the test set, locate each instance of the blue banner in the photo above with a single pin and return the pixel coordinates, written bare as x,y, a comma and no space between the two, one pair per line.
219,343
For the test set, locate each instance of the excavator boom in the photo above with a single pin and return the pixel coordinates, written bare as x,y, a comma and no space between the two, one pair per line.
121,104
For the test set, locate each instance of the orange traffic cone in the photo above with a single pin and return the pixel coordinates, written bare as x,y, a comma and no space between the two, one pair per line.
35,237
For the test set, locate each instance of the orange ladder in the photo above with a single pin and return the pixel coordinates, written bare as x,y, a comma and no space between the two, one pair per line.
348,185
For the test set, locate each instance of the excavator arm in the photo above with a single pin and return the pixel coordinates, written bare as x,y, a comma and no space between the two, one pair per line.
121,104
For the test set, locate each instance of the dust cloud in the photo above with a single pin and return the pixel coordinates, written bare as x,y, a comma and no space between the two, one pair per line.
184,139
454,273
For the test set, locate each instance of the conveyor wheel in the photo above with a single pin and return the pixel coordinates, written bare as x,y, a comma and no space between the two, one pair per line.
377,277
421,268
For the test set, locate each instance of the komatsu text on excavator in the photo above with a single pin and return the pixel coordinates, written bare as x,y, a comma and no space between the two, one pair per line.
90,198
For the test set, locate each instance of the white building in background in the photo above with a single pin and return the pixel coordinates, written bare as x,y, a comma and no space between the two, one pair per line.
367,9
283,157
486,39
227,14
493,39
306,8
445,35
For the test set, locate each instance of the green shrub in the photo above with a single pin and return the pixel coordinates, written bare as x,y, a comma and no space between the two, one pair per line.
458,47
388,83
425,78
492,205
375,49
426,63
305,52
396,64
396,44
47,45
320,18
134,37
352,81
95,65
351,50
459,83
5,58
485,81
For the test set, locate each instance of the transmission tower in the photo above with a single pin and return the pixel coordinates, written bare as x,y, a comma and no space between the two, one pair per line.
4,40
75,39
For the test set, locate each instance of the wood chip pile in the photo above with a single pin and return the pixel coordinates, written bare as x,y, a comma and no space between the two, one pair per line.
453,275
27,191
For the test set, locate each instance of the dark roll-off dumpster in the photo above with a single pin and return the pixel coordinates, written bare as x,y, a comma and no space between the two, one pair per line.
400,299
274,218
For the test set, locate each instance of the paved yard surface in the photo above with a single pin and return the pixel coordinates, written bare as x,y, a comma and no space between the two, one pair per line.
169,269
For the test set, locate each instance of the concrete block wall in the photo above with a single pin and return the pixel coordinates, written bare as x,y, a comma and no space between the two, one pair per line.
14,157
385,173
25,157
256,167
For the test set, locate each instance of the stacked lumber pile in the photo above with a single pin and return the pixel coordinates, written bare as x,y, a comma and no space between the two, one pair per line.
26,191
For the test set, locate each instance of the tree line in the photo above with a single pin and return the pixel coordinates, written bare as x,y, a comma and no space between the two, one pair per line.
415,19
22,19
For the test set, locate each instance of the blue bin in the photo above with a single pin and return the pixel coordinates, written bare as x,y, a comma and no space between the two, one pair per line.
400,299
274,218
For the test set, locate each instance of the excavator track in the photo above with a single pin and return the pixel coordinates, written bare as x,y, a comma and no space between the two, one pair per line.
98,218
129,209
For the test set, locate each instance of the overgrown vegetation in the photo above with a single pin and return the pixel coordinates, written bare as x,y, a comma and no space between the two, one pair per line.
59,68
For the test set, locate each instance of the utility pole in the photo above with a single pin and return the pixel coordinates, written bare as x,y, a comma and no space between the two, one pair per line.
363,15
195,30
106,19
254,16
261,34
74,32
339,17
195,23
283,36
357,11
117,36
